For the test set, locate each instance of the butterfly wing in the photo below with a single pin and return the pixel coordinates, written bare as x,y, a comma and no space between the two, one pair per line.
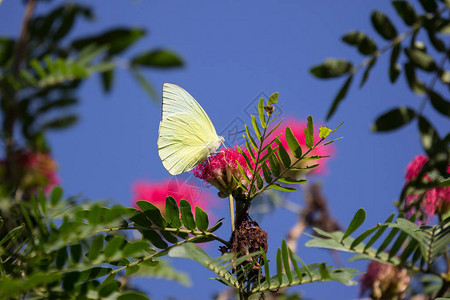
186,134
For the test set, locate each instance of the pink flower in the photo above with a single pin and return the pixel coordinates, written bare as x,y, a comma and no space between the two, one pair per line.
219,168
157,192
436,200
298,129
384,281
414,167
36,170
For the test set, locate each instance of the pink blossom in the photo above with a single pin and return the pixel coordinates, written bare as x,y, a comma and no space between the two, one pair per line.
436,200
384,281
37,170
414,167
219,168
298,129
157,192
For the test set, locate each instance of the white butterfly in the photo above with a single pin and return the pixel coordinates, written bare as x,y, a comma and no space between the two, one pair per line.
186,135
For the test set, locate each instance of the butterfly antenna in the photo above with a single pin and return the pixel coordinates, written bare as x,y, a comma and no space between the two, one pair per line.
242,131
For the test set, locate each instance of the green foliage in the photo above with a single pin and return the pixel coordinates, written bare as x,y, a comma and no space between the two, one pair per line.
66,250
267,156
433,22
40,76
411,246
230,269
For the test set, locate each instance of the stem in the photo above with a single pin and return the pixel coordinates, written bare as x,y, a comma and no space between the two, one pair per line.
231,203
157,254
9,101
377,53
195,233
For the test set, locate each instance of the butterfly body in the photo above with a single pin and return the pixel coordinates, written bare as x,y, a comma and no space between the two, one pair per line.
186,134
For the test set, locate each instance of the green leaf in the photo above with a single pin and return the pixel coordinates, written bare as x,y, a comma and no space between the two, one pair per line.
387,240
339,97
362,237
279,267
366,45
295,265
60,103
256,127
272,99
285,256
429,5
274,164
117,39
439,103
56,195
266,266
61,257
293,143
332,68
324,132
109,288
154,238
186,215
262,116
61,123
394,67
143,82
250,138
266,173
107,78
356,222
381,230
324,271
383,25
309,133
158,59
421,59
367,72
97,245
284,156
75,253
289,180
405,11
283,188
415,84
443,183
172,212
394,119
429,136
201,218
135,247
152,212
130,295
113,246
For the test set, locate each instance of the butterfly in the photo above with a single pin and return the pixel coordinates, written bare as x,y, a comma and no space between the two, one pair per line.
186,134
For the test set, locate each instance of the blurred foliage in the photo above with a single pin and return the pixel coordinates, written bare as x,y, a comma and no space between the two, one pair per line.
42,69
421,51
421,55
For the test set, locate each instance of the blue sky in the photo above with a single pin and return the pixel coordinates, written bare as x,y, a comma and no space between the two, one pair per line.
235,51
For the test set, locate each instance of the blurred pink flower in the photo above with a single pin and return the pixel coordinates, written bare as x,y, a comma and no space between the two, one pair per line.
384,281
219,168
298,129
436,200
37,170
157,192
